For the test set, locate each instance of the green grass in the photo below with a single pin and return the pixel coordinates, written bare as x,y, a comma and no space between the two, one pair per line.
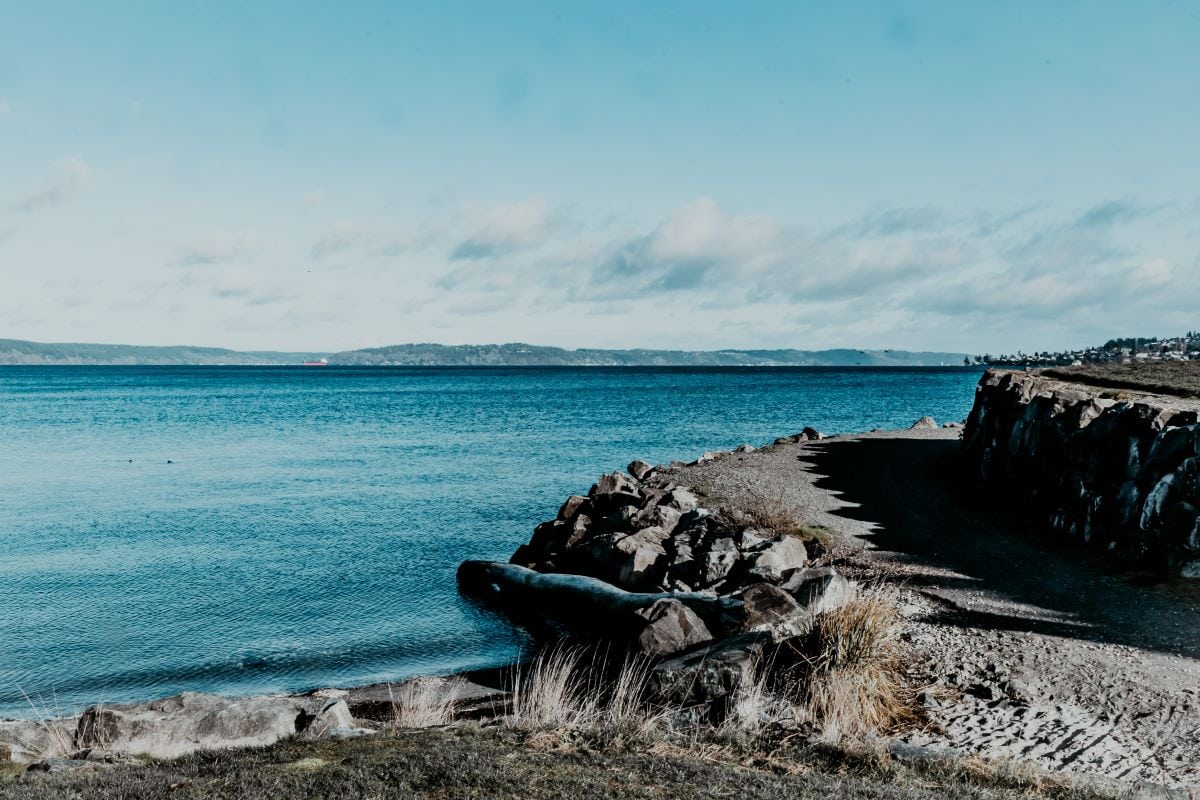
470,762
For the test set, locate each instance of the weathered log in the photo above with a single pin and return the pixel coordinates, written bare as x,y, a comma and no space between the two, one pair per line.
582,606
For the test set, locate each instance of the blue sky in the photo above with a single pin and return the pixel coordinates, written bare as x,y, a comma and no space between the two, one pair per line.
967,176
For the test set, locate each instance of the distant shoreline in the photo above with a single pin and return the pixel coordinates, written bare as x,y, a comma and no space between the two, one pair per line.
28,353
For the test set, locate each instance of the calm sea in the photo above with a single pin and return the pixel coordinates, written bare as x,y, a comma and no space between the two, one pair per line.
266,529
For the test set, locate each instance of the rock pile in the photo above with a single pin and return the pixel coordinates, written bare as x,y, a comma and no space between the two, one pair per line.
642,563
646,537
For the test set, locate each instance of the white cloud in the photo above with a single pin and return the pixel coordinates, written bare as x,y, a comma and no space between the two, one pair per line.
341,237
506,229
1155,272
67,176
217,248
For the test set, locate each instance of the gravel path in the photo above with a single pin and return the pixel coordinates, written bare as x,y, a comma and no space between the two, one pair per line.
1029,649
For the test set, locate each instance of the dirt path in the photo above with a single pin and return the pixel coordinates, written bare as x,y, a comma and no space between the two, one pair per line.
1030,650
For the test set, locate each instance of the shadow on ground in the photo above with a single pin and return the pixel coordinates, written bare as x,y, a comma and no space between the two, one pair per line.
1009,569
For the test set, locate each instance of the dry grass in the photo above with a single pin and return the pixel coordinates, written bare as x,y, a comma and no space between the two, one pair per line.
59,739
782,519
850,676
577,688
426,702
753,706
553,692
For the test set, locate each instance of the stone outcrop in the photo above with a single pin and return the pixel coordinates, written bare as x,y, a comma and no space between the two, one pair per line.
1116,472
185,723
641,563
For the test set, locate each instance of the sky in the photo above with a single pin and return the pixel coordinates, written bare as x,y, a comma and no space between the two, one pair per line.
975,177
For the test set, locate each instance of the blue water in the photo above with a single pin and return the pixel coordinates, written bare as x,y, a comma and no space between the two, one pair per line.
268,529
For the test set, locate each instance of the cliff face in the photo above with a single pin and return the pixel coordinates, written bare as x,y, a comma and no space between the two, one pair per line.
1116,471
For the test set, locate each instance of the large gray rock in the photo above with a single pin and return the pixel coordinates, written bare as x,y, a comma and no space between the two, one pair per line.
681,500
575,504
709,673
925,423
185,723
658,516
718,562
29,741
670,627
333,721
781,555
643,559
771,609
818,589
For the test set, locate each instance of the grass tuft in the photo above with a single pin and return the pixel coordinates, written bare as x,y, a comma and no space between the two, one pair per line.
59,740
425,702
850,675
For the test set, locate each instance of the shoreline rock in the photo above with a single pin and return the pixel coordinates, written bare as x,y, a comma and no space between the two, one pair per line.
1120,475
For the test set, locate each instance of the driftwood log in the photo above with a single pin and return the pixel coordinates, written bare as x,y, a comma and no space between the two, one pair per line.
577,605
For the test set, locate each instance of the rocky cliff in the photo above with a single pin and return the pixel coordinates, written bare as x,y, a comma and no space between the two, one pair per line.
1117,470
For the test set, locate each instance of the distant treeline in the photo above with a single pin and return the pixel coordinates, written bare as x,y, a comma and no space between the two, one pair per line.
14,351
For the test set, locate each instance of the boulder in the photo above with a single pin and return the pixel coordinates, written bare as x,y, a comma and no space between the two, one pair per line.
710,456
27,741
185,723
810,434
612,491
332,721
657,516
574,505
924,423
744,448
718,561
783,554
681,500
644,561
709,673
818,589
639,469
613,483
670,627
771,609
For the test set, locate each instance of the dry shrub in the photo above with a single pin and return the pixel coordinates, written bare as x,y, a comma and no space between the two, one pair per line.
853,682
778,517
426,702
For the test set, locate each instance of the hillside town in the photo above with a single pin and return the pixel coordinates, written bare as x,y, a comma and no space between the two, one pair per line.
1115,351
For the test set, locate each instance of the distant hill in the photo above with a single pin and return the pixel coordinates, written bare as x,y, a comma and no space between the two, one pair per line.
496,355
14,351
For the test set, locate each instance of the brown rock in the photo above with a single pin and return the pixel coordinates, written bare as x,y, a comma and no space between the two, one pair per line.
640,469
574,505
670,627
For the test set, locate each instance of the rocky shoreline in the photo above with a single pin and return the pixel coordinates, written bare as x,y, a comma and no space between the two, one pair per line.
706,570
